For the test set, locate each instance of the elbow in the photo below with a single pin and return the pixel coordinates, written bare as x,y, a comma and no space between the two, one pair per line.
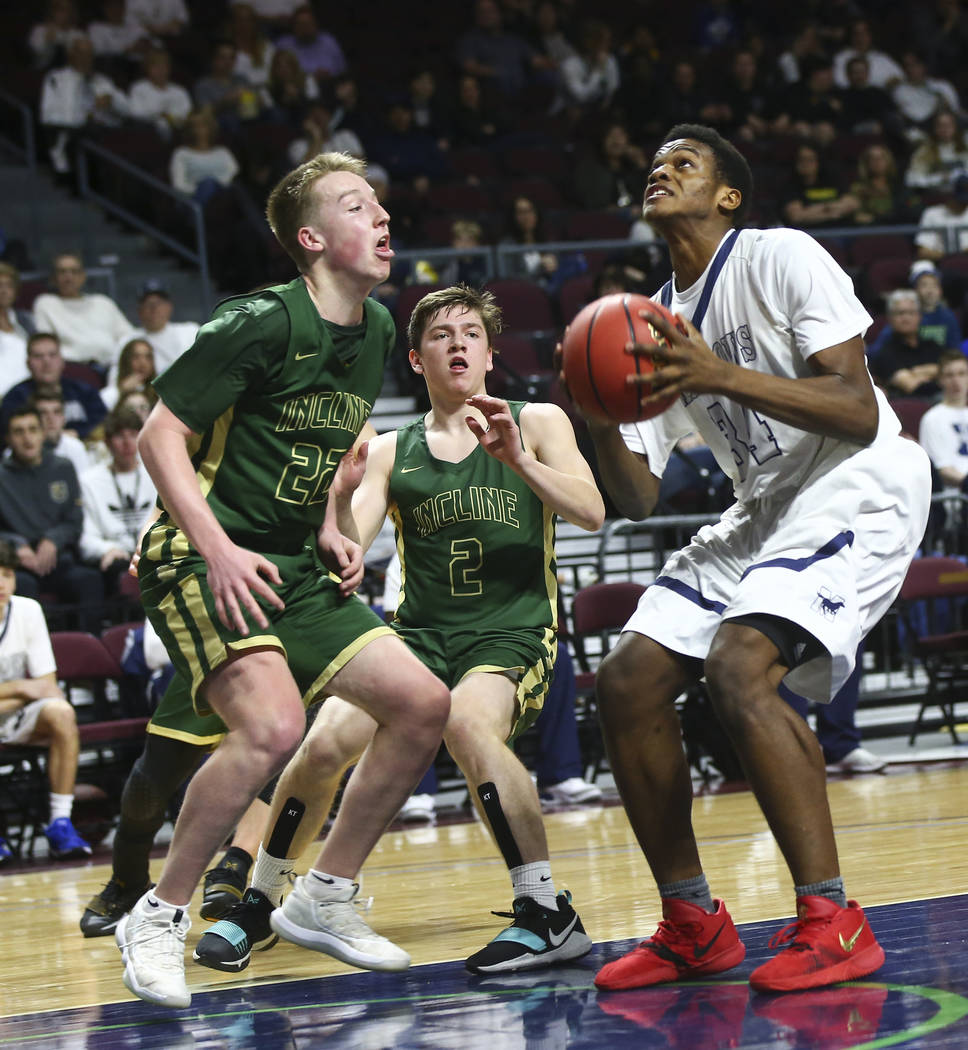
593,516
637,508
865,423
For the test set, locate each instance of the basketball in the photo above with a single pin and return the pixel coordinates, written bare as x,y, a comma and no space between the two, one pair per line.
595,362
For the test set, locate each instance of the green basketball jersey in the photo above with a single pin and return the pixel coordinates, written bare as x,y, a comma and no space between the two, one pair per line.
482,543
276,395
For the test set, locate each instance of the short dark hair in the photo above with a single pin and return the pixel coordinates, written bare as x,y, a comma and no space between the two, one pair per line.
731,166
36,337
8,556
122,418
20,411
947,357
461,295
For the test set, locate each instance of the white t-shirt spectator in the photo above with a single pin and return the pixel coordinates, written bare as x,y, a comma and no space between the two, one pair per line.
89,327
943,434
147,101
938,215
25,649
188,167
147,13
13,360
67,99
115,508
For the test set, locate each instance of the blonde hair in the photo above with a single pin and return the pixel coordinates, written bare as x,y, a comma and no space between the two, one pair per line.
461,295
291,202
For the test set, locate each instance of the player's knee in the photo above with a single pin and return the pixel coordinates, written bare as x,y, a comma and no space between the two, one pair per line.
273,742
433,708
625,688
737,683
60,719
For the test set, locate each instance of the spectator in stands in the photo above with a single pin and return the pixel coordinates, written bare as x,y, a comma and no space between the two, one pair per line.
318,53
159,18
811,108
224,92
906,365
33,710
884,72
639,60
815,196
273,16
878,189
939,322
464,269
169,339
74,97
139,401
919,97
525,226
549,42
14,326
943,431
865,108
83,407
253,49
943,152
406,152
945,225
940,32
612,177
678,101
50,40
742,108
431,113
591,77
201,166
716,26
836,726
40,514
136,369
119,44
117,498
89,325
319,135
476,122
50,408
805,45
501,60
288,89
155,98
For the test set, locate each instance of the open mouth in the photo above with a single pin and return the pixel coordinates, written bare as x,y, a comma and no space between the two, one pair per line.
383,249
656,192
457,364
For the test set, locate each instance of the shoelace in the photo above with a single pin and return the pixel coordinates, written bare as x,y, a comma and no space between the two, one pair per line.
792,935
171,956
670,933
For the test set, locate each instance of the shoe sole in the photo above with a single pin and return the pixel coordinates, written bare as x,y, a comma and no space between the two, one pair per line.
577,945
217,901
857,966
329,944
131,981
726,960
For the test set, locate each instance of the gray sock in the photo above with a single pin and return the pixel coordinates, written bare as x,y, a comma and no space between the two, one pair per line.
832,889
694,891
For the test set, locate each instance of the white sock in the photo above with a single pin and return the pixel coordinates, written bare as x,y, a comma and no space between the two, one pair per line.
321,886
153,898
271,875
535,881
60,806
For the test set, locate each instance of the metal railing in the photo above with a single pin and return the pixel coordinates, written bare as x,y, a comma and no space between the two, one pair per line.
23,148
196,253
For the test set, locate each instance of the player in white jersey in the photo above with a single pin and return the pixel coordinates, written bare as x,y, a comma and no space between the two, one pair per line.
831,505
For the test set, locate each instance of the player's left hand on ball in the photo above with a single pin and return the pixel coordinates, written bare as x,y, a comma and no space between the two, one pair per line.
682,359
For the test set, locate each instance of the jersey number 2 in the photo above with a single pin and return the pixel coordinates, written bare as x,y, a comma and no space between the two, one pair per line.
466,559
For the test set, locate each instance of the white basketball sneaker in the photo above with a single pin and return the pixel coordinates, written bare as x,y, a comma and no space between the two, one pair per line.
334,926
152,942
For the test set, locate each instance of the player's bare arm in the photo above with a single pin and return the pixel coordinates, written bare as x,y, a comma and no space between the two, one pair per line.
548,460
836,401
19,691
234,574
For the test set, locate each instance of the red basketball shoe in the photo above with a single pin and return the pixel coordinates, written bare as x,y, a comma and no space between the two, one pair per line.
688,943
825,945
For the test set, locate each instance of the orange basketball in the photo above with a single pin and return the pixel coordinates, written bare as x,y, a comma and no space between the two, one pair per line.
595,362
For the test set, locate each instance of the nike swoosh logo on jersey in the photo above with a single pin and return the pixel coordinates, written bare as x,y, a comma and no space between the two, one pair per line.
556,939
848,945
410,470
700,950
302,357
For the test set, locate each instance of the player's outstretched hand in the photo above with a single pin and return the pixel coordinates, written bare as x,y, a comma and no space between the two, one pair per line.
342,556
684,363
235,576
502,439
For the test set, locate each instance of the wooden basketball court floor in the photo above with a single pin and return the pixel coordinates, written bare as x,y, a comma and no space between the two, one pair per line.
904,849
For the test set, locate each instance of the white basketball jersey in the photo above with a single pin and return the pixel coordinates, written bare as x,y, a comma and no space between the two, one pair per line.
775,299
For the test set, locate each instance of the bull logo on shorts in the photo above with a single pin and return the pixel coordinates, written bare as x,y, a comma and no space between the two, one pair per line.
59,491
828,604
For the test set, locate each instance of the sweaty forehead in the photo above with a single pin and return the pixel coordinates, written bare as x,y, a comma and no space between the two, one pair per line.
690,145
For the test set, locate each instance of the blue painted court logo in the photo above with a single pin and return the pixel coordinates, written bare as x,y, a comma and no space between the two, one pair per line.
828,604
